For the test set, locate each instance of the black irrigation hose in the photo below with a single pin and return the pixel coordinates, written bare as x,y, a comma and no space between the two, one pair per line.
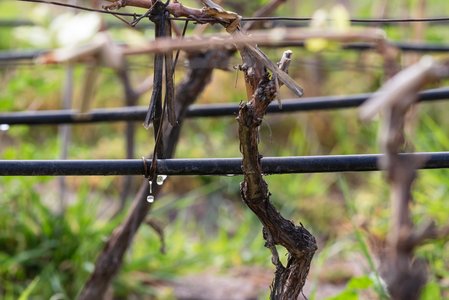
210,110
305,22
11,56
209,166
403,46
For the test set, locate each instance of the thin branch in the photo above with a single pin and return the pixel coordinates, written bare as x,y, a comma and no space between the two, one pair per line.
406,83
273,37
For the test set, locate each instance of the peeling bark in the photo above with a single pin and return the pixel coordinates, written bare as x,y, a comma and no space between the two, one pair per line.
301,245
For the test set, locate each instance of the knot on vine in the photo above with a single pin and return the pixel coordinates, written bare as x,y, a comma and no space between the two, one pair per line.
266,90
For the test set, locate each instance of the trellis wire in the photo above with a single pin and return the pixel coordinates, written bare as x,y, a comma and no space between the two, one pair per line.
209,166
195,111
378,21
270,23
110,24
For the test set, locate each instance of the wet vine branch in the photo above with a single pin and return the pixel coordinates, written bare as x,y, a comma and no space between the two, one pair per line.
301,245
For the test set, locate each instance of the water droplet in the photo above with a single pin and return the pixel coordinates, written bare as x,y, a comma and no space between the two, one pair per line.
150,198
160,179
151,186
4,127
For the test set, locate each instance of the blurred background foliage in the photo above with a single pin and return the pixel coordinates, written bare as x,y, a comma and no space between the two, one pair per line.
48,254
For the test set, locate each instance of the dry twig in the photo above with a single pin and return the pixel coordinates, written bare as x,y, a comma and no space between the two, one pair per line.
110,259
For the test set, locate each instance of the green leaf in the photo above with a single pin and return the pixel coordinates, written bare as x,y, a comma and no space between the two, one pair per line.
345,295
360,283
27,292
431,291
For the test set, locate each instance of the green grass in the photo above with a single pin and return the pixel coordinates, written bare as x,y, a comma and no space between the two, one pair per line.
45,253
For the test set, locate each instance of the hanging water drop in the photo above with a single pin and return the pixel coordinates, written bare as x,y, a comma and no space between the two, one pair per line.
160,179
4,127
150,197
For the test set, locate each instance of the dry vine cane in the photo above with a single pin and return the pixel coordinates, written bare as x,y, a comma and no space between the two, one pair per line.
110,259
301,245
261,89
289,280
404,273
